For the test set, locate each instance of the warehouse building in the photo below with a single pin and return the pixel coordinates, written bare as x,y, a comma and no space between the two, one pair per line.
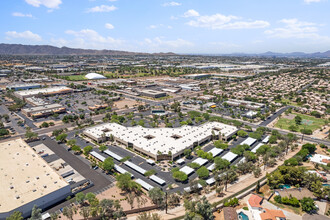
161,143
152,93
43,110
25,86
44,92
27,180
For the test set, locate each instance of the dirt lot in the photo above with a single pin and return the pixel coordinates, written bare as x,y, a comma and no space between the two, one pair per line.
129,102
115,193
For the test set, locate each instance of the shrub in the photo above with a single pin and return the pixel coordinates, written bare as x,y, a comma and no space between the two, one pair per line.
278,199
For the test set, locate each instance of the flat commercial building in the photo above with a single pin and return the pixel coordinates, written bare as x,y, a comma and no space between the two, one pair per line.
246,104
27,180
43,110
161,143
25,86
152,93
44,92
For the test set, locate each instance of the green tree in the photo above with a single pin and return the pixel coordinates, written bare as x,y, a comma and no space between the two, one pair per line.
85,212
219,144
187,153
91,198
221,164
71,142
3,132
201,209
15,216
87,150
125,183
36,213
150,173
307,204
157,196
148,216
61,138
80,197
310,147
203,172
103,148
76,149
180,176
108,164
68,212
30,135
298,120
242,133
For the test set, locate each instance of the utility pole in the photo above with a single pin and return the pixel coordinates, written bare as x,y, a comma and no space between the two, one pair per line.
166,202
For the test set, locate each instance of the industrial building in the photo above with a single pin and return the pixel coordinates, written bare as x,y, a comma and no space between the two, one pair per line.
44,92
27,180
161,143
152,93
25,86
43,110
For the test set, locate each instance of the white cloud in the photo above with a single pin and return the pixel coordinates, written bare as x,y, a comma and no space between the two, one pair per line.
159,42
311,1
19,14
293,28
54,4
28,35
88,38
220,21
191,13
102,8
154,26
109,26
168,4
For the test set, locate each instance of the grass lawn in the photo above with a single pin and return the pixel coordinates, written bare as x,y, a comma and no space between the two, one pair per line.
308,122
77,78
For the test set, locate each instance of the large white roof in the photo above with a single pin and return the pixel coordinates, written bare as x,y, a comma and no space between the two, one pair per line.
25,176
95,76
162,140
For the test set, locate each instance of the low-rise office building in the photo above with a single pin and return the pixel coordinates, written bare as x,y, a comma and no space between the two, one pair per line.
27,180
152,93
43,110
161,143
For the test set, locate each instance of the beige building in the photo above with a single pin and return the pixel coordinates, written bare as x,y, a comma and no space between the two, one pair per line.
27,180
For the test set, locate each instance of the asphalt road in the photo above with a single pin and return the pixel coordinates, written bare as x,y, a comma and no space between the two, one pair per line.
274,116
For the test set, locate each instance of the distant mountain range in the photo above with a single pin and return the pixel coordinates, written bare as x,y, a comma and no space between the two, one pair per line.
19,49
325,54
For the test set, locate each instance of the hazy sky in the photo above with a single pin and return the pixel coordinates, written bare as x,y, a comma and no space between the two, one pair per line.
181,26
